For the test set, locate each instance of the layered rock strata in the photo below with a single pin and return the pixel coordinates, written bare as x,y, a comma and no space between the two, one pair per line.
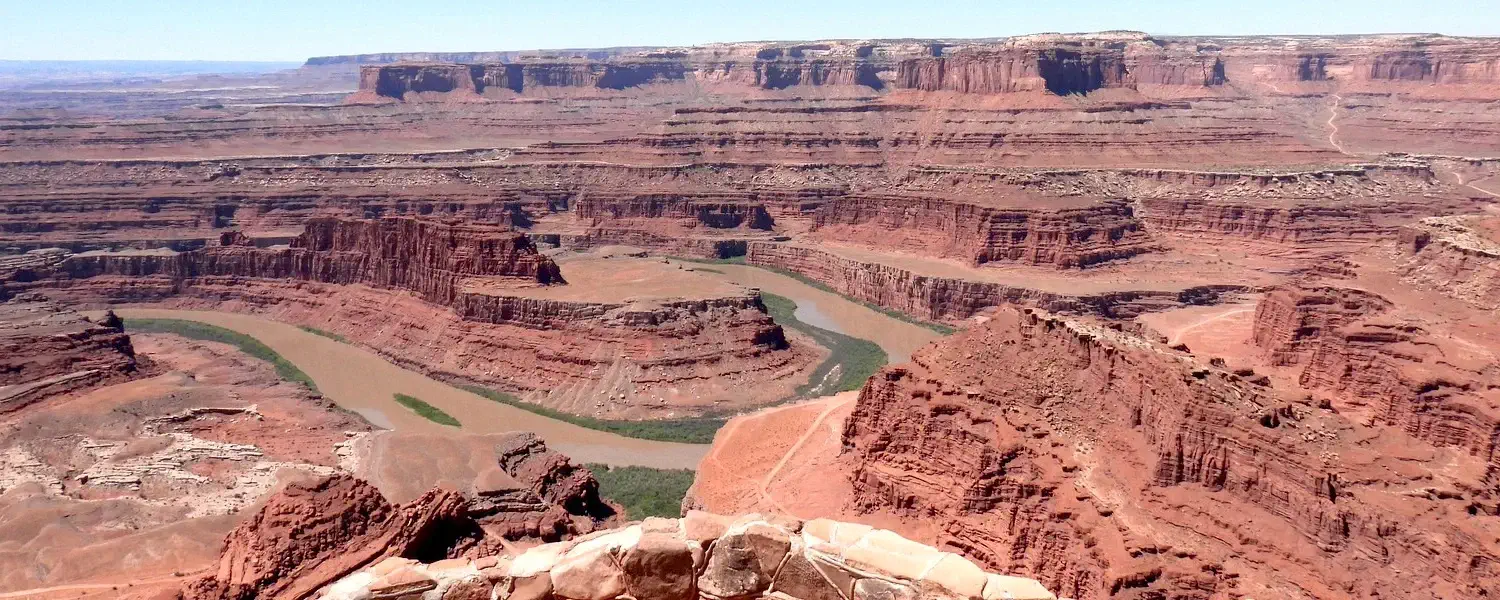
1026,232
453,301
1458,255
1106,465
46,350
433,260
1387,369
949,299
1046,63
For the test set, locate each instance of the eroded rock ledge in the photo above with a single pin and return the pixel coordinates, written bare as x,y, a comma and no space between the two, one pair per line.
949,298
1457,255
701,556
46,350
461,302
1110,466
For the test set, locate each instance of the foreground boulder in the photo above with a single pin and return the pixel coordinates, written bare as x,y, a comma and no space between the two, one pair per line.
315,532
533,492
676,559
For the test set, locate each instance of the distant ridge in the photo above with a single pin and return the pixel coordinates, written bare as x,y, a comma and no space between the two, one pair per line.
470,57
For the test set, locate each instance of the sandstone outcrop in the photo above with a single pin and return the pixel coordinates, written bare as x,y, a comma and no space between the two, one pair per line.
1458,255
536,493
465,302
1058,449
1384,368
702,555
314,532
46,350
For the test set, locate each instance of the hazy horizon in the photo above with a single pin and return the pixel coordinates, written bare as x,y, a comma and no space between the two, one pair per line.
283,31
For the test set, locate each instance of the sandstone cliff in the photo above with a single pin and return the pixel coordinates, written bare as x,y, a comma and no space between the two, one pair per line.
460,302
1384,368
429,258
1459,256
1049,63
46,350
1108,466
1063,66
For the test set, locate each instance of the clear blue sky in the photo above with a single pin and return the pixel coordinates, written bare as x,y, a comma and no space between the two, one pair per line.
296,29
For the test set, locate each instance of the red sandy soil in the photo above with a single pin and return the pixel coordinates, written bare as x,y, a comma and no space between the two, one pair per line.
147,530
767,461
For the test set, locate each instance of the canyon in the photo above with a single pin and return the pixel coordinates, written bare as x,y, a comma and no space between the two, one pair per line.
480,303
1148,317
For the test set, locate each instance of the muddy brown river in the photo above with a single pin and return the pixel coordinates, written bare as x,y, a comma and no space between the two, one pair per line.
362,381
831,311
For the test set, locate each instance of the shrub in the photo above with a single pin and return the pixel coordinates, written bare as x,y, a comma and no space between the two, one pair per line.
644,491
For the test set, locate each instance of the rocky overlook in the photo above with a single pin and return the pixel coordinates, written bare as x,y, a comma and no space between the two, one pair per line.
337,539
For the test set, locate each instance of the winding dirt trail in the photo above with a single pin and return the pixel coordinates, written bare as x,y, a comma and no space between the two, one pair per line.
1476,188
834,405
1333,128
778,450
1181,333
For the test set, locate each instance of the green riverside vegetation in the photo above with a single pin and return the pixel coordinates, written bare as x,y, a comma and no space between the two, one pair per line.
644,491
328,334
855,359
699,430
213,333
427,411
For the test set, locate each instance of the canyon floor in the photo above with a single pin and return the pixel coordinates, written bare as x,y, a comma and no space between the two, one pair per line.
1136,317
